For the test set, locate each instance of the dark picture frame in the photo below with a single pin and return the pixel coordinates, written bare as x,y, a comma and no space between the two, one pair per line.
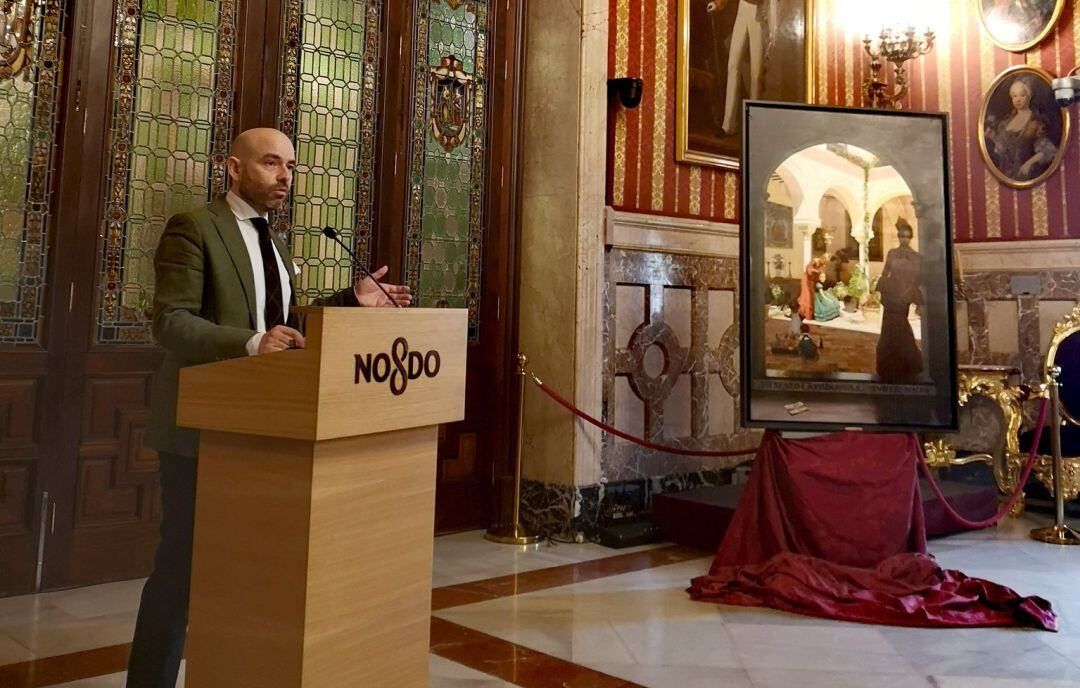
1018,26
707,30
885,357
1022,147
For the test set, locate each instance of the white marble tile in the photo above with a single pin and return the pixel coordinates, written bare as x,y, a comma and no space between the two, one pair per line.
24,609
983,682
12,652
822,648
986,652
57,636
108,681
117,680
637,619
681,676
765,616
442,674
107,600
787,678
464,557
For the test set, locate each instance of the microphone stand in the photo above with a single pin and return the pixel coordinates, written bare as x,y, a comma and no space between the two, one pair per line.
331,234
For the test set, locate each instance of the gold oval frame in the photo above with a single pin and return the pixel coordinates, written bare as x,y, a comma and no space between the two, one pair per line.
1021,47
1061,145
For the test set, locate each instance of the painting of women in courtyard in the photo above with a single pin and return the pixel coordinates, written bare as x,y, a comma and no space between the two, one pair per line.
856,308
856,328
1022,129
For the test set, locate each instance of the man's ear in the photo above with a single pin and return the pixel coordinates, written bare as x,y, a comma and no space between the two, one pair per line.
232,166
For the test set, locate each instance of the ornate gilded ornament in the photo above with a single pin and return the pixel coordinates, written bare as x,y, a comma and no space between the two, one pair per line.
16,36
1070,465
450,106
1070,475
991,382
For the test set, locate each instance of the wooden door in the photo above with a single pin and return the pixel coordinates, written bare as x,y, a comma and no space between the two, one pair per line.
166,83
31,322
152,93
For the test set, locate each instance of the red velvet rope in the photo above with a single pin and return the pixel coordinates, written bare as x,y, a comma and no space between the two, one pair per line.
1008,506
1005,509
630,438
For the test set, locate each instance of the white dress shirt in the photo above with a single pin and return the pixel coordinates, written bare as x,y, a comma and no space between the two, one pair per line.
244,212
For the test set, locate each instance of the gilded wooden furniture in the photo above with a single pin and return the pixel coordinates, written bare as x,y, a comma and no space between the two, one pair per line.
1061,474
994,383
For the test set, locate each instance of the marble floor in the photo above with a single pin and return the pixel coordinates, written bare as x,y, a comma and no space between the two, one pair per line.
588,617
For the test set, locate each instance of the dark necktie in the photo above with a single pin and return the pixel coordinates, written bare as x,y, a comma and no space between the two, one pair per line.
275,308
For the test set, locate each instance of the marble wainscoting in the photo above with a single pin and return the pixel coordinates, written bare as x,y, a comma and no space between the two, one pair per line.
669,373
563,511
1007,317
671,345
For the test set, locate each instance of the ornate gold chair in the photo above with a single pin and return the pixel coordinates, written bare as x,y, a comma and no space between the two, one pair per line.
1061,383
991,413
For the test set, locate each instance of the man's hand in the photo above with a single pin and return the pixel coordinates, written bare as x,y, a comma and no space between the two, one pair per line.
370,296
281,338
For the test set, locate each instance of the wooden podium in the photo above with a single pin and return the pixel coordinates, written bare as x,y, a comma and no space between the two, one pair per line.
315,502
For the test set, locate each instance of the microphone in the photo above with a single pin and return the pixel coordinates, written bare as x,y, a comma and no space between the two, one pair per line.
331,234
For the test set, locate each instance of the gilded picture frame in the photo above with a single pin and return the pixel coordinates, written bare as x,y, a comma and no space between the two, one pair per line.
1015,26
1022,150
707,126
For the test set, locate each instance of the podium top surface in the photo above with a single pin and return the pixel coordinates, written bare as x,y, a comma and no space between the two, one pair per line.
363,371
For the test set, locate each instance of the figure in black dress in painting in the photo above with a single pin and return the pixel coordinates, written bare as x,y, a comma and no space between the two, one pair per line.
899,359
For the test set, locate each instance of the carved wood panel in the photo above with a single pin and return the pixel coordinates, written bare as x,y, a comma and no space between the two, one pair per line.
19,471
117,475
117,497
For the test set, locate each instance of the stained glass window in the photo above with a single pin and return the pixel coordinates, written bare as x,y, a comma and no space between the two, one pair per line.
171,107
330,81
447,155
28,104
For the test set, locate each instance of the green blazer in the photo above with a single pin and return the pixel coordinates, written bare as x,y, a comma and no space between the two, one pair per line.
204,308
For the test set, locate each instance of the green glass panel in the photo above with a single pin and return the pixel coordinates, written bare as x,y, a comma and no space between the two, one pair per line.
447,157
166,91
336,78
28,124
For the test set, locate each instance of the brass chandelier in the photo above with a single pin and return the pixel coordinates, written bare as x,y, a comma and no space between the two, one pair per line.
895,46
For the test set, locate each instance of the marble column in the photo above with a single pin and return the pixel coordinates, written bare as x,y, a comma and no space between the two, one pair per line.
805,228
562,236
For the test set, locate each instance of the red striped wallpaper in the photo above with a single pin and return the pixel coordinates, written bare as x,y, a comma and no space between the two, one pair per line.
644,177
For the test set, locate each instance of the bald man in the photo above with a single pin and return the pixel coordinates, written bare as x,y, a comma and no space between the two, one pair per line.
224,285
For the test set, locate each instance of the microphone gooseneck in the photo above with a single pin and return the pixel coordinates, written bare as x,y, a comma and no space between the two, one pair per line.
331,234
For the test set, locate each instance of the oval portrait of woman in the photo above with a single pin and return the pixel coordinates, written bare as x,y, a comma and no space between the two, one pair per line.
1022,131
1018,24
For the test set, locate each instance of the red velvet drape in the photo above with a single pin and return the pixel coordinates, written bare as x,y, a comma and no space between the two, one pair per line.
832,526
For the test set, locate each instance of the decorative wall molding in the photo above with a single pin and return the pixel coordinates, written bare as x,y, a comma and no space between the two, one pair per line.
1018,256
684,236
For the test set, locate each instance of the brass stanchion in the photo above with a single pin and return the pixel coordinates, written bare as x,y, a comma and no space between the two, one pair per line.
1059,533
515,533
